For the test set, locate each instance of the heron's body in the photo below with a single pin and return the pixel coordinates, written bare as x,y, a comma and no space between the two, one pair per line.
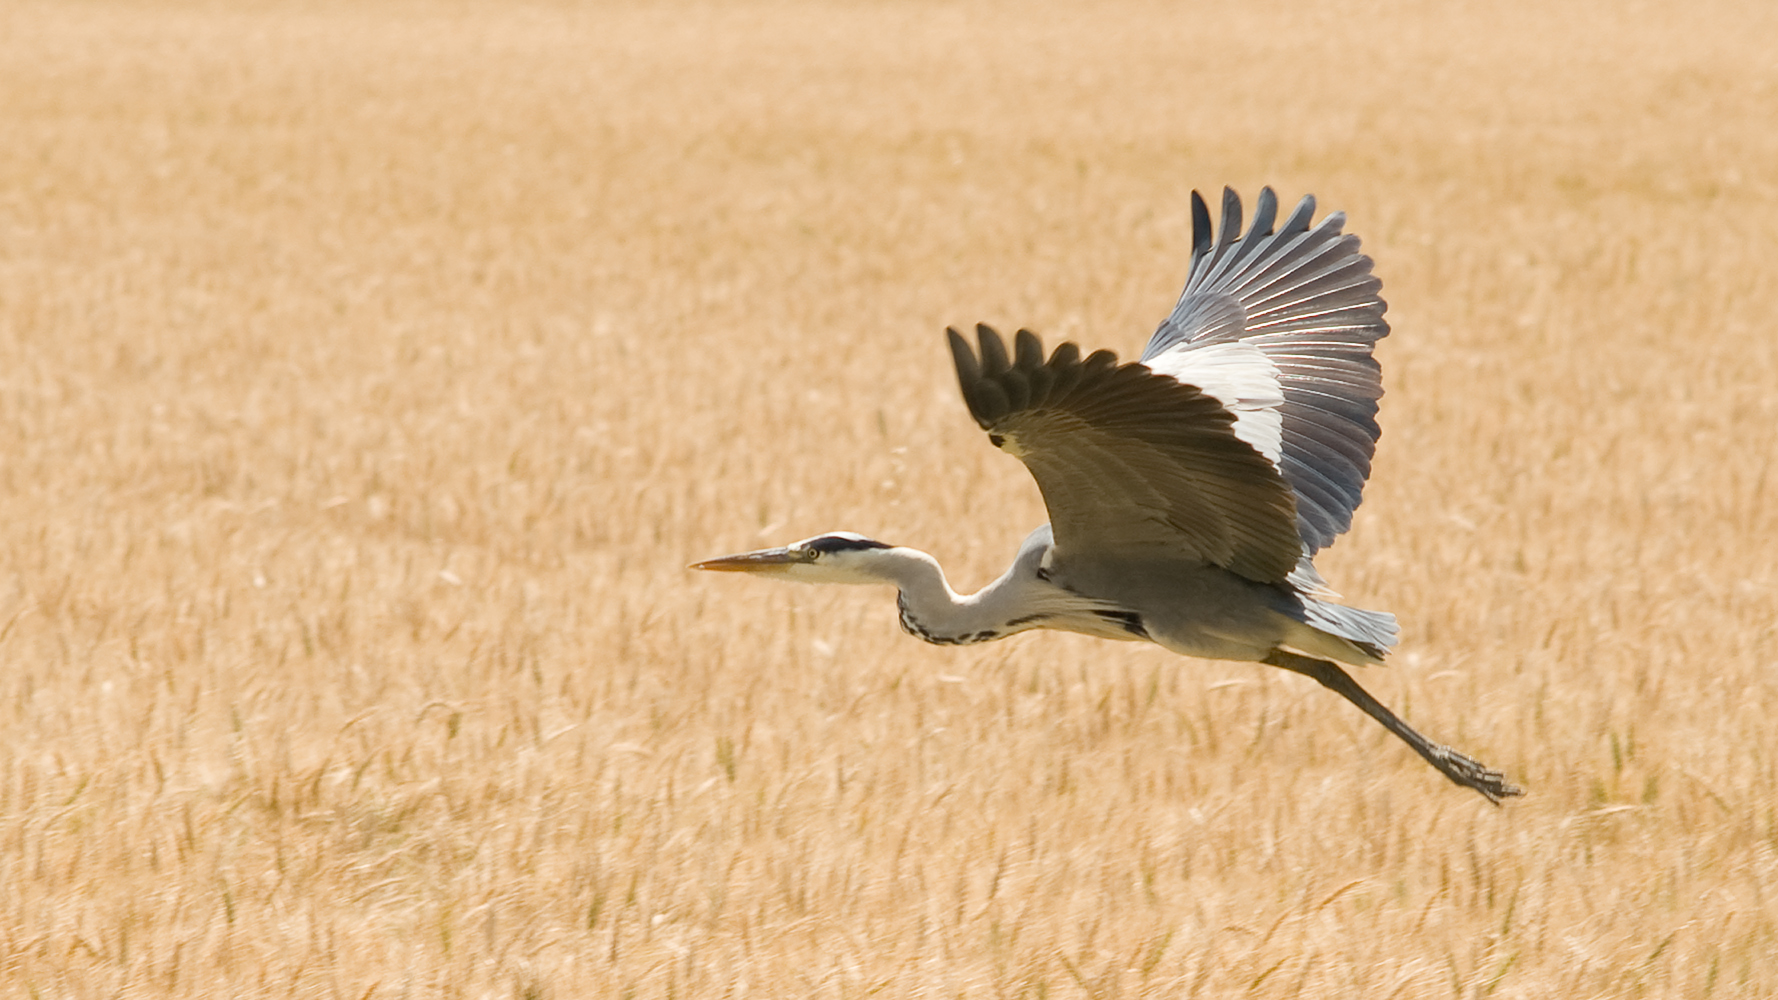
1202,611
1188,492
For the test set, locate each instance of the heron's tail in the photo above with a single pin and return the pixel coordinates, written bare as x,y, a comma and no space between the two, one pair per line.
1371,632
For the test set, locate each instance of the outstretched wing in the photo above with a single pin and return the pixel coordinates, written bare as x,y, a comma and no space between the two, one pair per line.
1130,462
1278,325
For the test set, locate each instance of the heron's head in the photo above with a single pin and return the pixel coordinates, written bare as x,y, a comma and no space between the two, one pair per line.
836,557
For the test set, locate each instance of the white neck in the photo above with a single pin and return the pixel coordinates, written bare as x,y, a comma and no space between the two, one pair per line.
933,611
1021,599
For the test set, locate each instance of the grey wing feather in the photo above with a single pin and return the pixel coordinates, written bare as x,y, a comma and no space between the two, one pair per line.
1306,298
1129,461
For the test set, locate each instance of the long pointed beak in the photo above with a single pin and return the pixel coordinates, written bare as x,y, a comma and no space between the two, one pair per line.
762,561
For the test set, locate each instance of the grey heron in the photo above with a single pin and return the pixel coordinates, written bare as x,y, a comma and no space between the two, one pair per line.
1189,491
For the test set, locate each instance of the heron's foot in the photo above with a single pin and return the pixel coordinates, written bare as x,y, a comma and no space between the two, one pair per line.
1472,773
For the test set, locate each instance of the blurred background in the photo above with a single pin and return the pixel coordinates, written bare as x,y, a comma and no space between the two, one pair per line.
370,372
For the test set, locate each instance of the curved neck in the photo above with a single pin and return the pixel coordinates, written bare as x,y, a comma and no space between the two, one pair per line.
921,581
932,610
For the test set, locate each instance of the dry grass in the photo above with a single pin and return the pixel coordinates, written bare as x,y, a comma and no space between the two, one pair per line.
368,374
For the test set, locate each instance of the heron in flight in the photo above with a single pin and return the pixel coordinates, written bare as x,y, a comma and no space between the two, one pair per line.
1189,491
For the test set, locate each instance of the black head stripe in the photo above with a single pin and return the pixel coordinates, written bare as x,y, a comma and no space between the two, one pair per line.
827,544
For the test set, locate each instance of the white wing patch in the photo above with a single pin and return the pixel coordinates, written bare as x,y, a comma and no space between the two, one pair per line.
1242,378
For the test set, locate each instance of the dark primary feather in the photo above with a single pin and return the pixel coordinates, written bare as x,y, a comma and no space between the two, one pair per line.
1129,461
1307,299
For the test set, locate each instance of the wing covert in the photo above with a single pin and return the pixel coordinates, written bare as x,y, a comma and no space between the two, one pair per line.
1129,460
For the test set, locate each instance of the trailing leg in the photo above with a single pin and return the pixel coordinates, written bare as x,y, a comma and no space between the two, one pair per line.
1460,768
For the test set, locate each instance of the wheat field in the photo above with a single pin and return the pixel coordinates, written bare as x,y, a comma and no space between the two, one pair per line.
370,372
